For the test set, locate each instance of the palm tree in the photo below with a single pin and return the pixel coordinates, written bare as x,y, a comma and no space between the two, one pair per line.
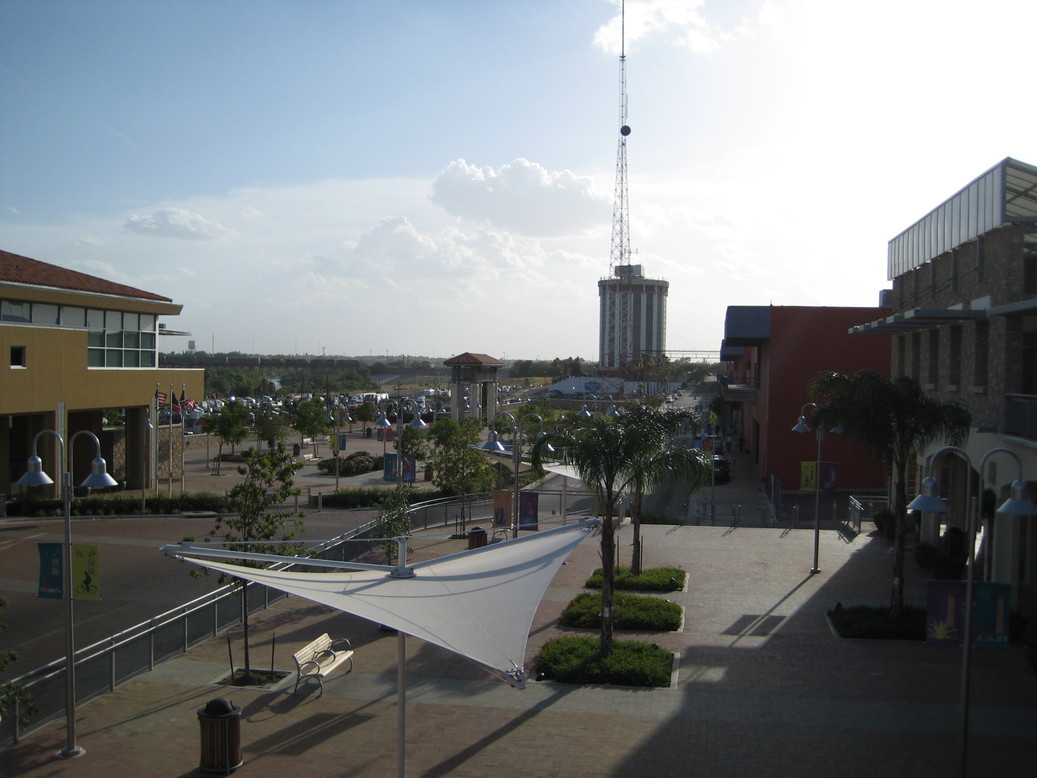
664,465
892,419
612,455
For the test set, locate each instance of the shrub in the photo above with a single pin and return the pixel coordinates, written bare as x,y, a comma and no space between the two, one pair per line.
655,579
577,660
357,463
871,621
630,611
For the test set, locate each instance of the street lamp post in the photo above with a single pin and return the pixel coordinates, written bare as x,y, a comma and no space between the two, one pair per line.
516,453
34,476
417,423
801,426
1018,504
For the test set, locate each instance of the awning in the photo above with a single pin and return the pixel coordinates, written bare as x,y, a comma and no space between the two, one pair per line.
917,319
478,603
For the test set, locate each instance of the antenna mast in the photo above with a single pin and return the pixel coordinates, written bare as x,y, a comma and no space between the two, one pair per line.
615,341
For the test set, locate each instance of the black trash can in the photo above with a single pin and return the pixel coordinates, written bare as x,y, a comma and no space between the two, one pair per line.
476,537
296,450
220,721
367,432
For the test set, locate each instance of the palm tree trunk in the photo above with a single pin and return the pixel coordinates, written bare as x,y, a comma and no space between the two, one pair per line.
635,561
608,578
896,606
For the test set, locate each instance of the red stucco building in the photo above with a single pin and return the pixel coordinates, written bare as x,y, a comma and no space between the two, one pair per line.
774,352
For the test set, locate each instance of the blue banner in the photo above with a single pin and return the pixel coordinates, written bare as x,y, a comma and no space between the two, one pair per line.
529,502
51,566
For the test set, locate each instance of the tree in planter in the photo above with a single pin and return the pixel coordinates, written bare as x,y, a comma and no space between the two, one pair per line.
13,694
364,413
230,425
892,419
667,463
393,520
257,526
311,419
613,455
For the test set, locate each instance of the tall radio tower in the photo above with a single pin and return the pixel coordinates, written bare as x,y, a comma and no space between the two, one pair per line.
632,319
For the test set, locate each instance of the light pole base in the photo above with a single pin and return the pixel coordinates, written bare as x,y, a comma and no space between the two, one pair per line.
815,570
71,753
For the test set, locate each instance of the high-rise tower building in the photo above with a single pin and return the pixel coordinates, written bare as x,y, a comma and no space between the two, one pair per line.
632,321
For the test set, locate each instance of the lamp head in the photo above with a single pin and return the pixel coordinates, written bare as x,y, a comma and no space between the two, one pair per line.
98,475
493,444
1019,503
929,501
34,475
801,425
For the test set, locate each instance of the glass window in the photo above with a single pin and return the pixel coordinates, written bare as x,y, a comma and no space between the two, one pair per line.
131,358
44,313
95,357
147,340
71,316
95,319
113,339
95,338
113,320
14,310
113,358
131,339
147,359
131,322
147,322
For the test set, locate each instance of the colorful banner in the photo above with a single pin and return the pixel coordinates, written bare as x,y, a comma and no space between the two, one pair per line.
51,566
389,467
342,441
85,572
502,509
945,613
410,468
529,503
808,472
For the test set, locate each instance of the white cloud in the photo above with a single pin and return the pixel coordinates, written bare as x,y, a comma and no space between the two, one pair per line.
176,223
521,196
679,20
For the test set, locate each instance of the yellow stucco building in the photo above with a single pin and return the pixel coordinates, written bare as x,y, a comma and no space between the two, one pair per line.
71,346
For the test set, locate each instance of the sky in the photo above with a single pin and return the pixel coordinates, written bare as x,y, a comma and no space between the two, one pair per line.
428,178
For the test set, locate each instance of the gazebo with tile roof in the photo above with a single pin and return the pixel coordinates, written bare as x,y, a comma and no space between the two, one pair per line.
479,371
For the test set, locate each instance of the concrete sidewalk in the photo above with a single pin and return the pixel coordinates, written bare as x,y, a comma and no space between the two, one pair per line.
762,688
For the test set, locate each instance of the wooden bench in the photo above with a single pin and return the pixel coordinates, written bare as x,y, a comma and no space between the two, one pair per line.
320,657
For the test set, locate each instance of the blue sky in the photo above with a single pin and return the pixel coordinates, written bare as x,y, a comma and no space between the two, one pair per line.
436,177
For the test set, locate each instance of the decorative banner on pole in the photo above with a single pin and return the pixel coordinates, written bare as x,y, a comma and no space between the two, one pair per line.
51,566
85,572
389,468
342,441
945,613
410,468
828,473
502,509
807,476
529,503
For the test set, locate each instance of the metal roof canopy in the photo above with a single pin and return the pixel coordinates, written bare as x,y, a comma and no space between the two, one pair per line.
1005,194
917,319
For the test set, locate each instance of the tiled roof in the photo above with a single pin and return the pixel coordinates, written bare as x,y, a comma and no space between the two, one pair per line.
468,358
16,269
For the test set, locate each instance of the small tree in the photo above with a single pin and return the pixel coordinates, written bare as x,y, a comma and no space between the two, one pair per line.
393,520
13,693
270,426
230,425
311,419
365,412
457,467
257,526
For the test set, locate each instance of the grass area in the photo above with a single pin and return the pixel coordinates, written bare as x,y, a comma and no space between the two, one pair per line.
630,611
577,660
873,621
654,579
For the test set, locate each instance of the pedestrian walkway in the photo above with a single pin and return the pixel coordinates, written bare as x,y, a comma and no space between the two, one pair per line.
762,687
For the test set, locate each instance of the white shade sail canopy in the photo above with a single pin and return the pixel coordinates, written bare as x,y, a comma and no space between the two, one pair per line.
478,603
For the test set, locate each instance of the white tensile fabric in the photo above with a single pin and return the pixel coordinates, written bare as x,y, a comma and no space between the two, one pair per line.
478,603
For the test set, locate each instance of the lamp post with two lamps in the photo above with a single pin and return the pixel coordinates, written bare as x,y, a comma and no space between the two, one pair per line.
494,445
801,426
416,423
929,501
34,476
